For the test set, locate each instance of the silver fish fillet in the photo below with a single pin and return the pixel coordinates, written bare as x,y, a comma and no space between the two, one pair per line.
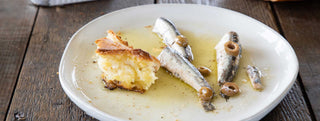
172,37
227,64
228,52
255,77
181,68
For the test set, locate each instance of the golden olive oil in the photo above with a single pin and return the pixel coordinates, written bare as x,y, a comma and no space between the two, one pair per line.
169,97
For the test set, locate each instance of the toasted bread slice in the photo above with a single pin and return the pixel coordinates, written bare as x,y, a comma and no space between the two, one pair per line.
125,67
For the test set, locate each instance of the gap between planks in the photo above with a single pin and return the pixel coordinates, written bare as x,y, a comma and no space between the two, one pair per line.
276,19
304,94
21,65
275,25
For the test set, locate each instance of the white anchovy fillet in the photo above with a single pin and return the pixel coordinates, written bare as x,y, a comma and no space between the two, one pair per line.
181,68
255,77
172,37
227,63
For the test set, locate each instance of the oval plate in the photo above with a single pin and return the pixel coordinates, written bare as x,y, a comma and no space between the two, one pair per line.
267,47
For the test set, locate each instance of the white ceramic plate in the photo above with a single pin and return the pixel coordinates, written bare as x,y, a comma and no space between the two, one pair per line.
266,47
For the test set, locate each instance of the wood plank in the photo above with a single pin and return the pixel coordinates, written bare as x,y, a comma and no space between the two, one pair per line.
293,106
254,8
300,22
38,94
16,21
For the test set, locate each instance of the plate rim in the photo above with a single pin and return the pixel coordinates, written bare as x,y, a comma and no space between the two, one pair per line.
96,113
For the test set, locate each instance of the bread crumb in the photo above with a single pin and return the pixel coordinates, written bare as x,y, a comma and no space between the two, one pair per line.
149,26
57,73
244,80
130,118
162,47
118,33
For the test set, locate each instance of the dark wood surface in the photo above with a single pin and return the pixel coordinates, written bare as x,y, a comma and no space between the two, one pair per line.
15,30
38,93
293,106
300,22
34,62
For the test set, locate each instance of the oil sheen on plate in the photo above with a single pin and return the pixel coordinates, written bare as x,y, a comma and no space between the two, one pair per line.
169,97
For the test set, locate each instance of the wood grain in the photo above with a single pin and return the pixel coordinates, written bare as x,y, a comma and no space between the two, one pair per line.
254,8
16,20
300,22
38,94
293,106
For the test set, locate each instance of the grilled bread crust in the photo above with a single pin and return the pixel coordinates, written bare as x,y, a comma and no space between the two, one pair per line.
113,46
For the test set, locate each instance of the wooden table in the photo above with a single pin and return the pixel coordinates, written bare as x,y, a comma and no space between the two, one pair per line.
32,40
